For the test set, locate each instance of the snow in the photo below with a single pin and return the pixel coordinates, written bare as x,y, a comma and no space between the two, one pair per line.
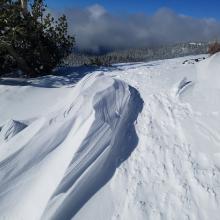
135,141
10,129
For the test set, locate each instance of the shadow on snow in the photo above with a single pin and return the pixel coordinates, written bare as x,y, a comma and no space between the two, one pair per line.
62,76
90,177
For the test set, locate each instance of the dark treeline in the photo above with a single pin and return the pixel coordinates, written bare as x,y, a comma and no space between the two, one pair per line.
137,55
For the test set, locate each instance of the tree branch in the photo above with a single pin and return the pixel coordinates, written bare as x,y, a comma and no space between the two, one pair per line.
22,64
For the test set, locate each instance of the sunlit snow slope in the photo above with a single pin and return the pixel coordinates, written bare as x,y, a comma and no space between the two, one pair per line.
135,141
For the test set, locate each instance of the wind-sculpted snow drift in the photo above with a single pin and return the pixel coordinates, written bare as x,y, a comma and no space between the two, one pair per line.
95,150
72,153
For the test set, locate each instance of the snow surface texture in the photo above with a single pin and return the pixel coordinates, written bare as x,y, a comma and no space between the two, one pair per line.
50,168
137,141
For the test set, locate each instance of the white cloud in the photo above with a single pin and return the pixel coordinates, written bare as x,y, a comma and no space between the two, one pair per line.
96,28
96,11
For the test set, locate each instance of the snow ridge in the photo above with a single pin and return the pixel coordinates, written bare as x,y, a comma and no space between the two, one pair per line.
83,143
10,129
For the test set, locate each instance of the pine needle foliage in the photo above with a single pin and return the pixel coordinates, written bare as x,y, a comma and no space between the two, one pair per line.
32,41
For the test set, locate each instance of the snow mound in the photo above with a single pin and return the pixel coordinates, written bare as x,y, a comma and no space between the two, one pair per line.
70,153
10,129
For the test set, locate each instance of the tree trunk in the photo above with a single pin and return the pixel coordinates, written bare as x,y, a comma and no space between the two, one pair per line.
24,6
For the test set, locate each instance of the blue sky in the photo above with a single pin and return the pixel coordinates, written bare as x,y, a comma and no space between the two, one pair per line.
194,8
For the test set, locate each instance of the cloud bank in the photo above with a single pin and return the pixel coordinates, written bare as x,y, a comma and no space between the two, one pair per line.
95,28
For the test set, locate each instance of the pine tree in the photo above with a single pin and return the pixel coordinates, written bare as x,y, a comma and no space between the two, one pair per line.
31,40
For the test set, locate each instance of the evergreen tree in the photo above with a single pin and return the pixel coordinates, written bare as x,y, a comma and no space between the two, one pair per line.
31,40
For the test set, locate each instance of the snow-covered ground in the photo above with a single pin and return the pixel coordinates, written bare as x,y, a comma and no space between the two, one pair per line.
135,141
